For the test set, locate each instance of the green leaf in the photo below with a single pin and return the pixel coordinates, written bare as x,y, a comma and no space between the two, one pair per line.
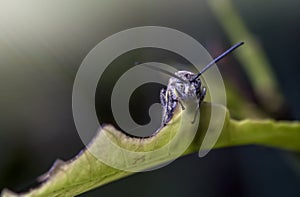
86,172
253,58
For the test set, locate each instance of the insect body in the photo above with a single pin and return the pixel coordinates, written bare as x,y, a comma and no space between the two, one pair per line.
185,84
180,89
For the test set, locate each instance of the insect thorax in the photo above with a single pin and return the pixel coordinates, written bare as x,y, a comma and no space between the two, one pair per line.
179,90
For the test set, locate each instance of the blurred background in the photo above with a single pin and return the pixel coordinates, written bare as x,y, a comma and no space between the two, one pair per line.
42,44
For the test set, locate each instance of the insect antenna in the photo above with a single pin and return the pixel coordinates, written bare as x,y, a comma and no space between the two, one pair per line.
217,59
164,71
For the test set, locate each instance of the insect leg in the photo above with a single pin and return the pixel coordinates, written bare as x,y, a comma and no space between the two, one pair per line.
201,97
196,113
202,94
163,97
178,101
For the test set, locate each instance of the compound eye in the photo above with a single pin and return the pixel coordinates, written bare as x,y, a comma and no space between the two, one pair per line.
198,80
187,75
198,83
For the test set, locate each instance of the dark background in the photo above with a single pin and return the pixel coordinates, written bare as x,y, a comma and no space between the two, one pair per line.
42,44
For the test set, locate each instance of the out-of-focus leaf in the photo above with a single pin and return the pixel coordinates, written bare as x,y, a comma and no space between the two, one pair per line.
252,57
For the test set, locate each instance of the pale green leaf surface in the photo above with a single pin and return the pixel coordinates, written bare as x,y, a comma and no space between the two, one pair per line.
85,172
